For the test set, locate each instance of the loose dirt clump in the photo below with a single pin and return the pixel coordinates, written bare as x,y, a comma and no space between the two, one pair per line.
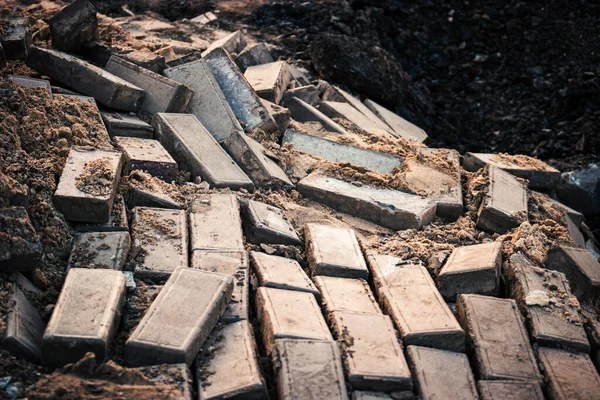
97,178
521,161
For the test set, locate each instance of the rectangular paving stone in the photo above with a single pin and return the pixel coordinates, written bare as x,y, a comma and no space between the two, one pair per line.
386,207
510,390
162,94
85,317
88,184
270,80
208,103
569,375
334,251
228,365
147,155
497,338
117,221
549,202
335,109
281,273
27,82
215,223
309,369
267,224
99,250
172,375
254,55
141,197
310,94
554,325
233,42
74,25
239,94
252,157
472,269
338,152
281,115
304,112
441,374
160,242
336,94
16,38
504,205
108,89
580,267
178,322
401,127
342,294
20,246
408,294
198,152
373,356
121,124
146,59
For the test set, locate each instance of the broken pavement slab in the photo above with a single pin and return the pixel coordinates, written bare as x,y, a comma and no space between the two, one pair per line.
20,247
142,197
580,267
233,42
27,82
267,224
147,155
16,38
304,112
401,127
510,390
269,81
99,250
344,110
281,273
281,115
254,55
73,26
121,124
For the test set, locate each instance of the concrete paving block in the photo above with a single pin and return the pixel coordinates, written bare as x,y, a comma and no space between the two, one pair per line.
162,94
334,109
85,317
549,324
27,82
549,202
73,26
309,94
510,390
116,222
198,152
171,374
234,42
215,223
267,224
373,356
304,112
400,127
539,178
251,156
228,365
147,155
88,184
254,55
505,204
178,322
269,81
309,369
364,395
16,38
146,59
334,251
25,284
569,375
139,197
108,89
342,294
208,103
496,338
386,207
239,94
338,152
441,374
99,250
574,232
121,124
160,242
20,246
580,267
337,94
281,273
408,294
281,115
472,269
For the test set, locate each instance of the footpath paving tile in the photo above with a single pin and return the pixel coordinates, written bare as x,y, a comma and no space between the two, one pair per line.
510,390
85,317
281,273
334,251
162,94
121,124
117,221
74,25
505,204
251,156
147,155
233,42
541,176
335,109
569,375
441,374
27,82
215,223
99,250
20,247
198,152
348,295
472,269
16,38
554,324
87,186
208,103
269,81
160,238
309,369
338,152
574,232
373,356
228,365
146,59
549,202
497,338
108,89
304,112
309,94
386,207
239,94
267,224
171,374
140,197
401,127
409,295
280,114
580,267
178,322
254,55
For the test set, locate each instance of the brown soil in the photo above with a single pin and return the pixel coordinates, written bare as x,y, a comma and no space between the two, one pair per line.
522,161
97,178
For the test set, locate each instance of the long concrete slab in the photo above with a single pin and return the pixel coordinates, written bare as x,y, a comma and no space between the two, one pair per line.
401,127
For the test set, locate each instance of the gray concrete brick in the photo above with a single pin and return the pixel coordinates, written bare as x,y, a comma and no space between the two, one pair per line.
580,267
117,221
108,89
27,82
85,317
73,26
497,338
101,250
233,42
347,295
121,124
401,127
334,251
408,294
140,197
549,202
304,112
254,55
269,81
81,195
16,38
574,232
386,207
147,155
344,110
309,94
267,224
198,152
146,59
215,223
510,390
173,375
281,273
186,310
27,252
281,115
